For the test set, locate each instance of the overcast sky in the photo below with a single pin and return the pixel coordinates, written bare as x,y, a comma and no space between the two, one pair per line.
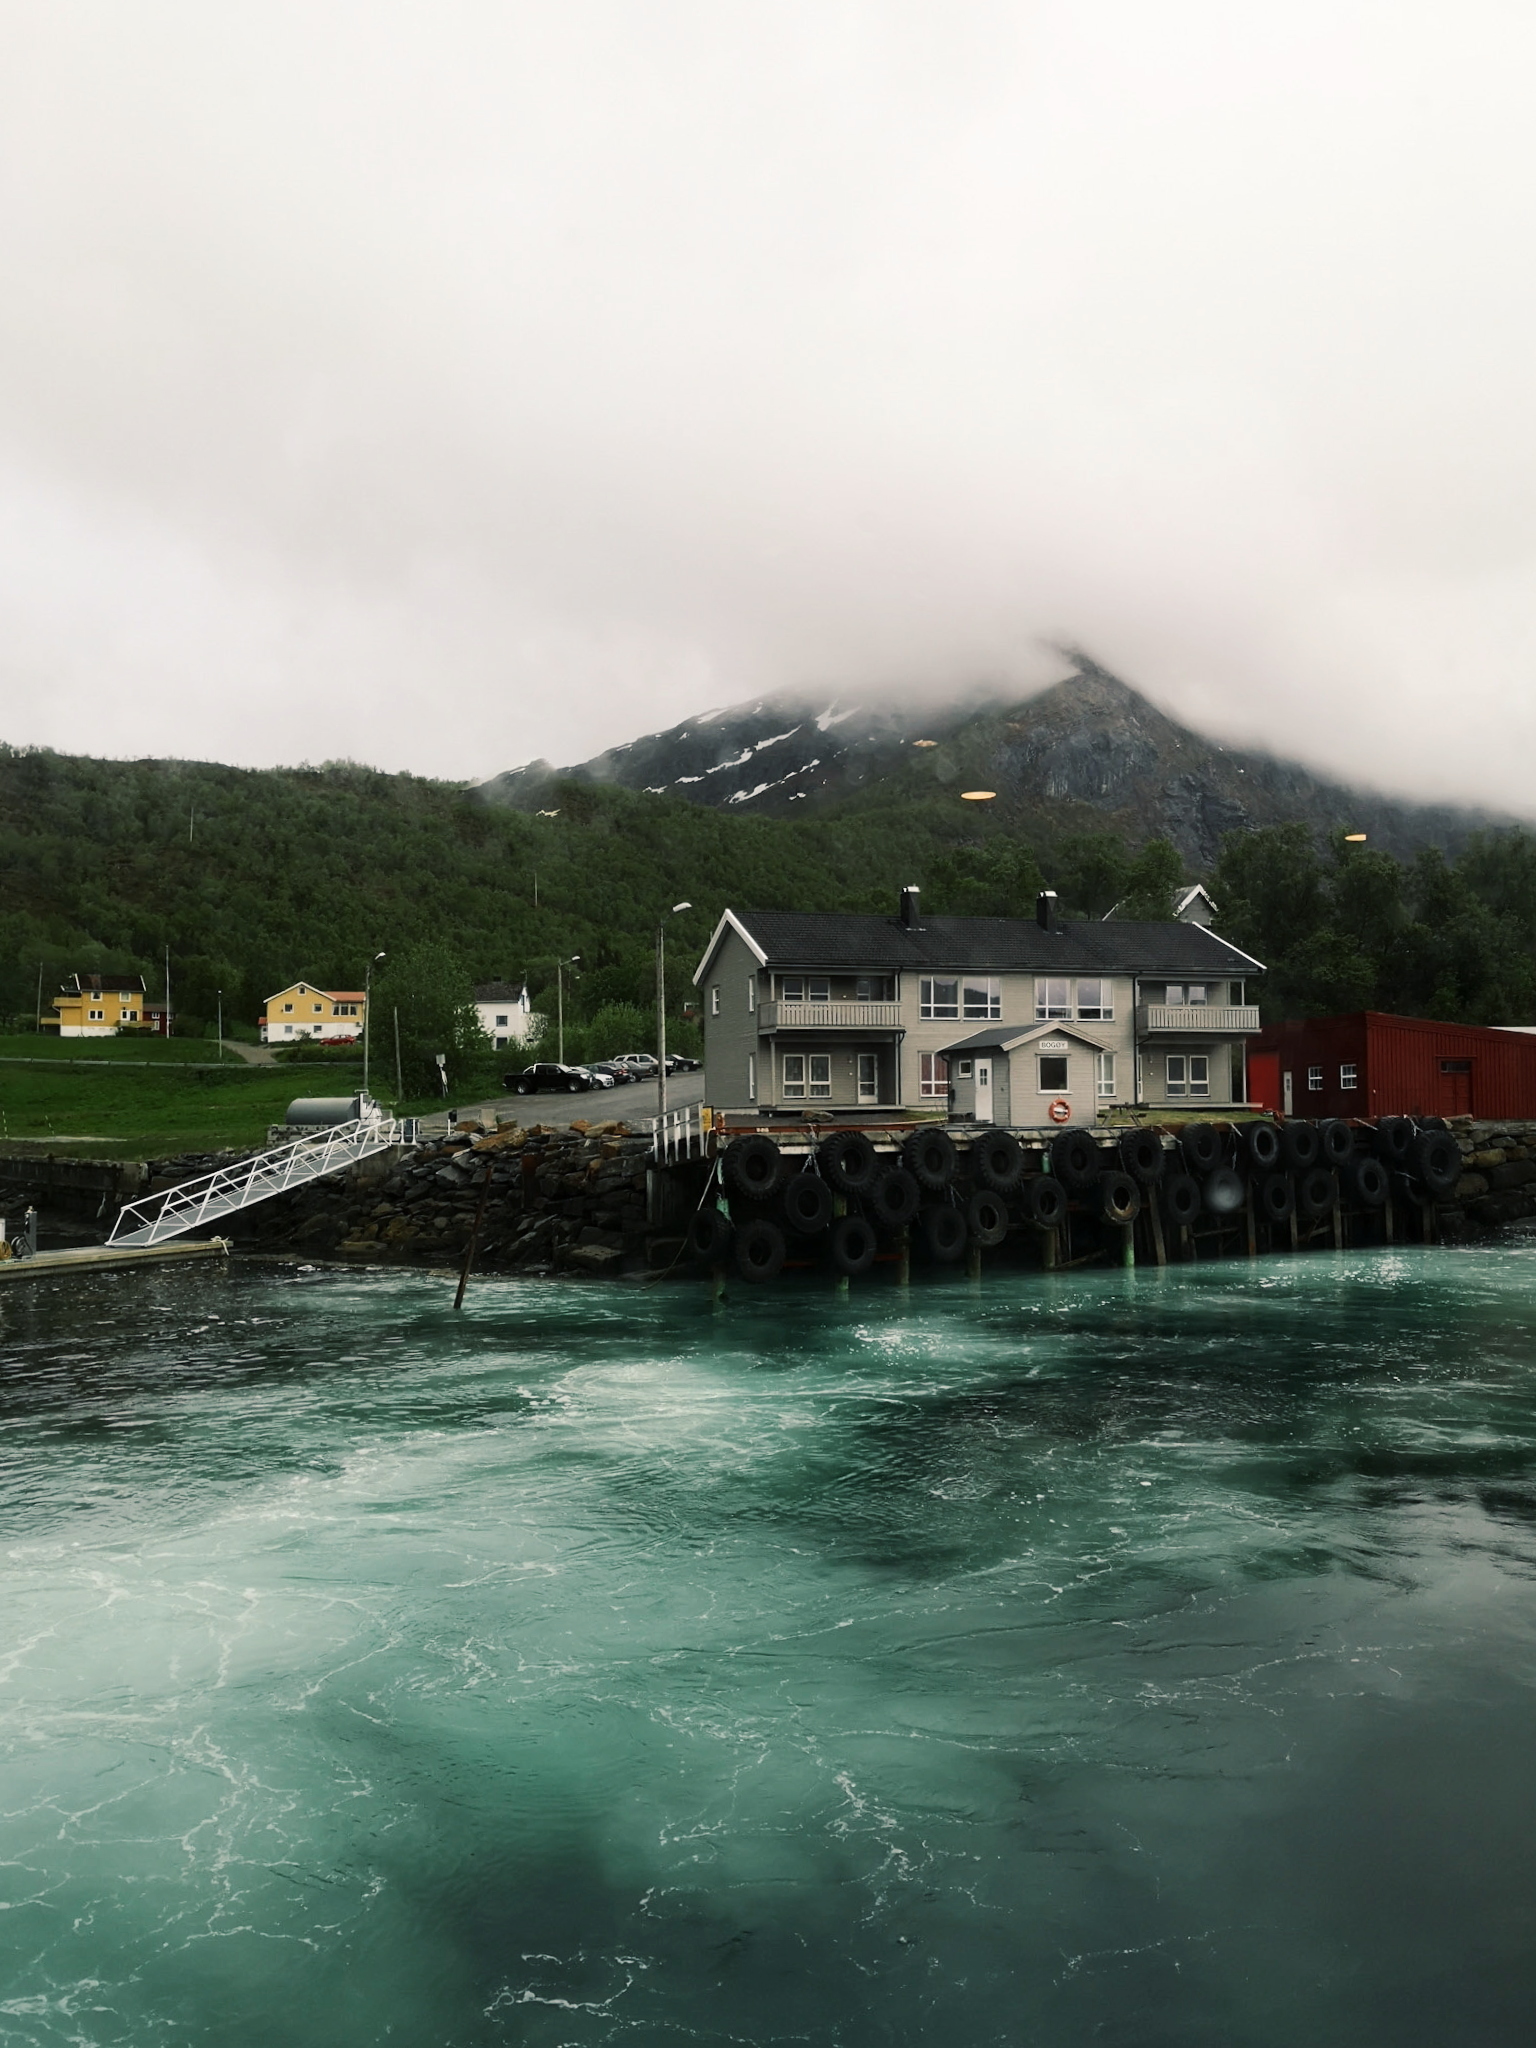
448,385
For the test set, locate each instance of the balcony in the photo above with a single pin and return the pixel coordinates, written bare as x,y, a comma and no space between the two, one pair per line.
773,1017
1198,1020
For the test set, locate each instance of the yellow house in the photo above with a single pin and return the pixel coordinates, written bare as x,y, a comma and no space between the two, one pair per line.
99,1005
305,1012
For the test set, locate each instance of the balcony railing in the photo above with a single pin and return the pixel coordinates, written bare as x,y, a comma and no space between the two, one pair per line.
828,1017
1199,1020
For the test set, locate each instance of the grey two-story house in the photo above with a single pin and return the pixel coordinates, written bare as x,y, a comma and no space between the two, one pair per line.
1021,1021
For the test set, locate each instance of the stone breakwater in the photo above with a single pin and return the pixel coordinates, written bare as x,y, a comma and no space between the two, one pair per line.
1498,1182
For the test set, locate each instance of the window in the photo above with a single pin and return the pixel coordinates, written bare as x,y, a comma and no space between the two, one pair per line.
1178,1074
751,1077
502,1022
319,1009
794,1076
1199,1074
818,989
938,998
98,1017
1239,995
792,988
714,1000
982,997
821,1073
1053,1072
1096,999
1349,1077
1104,1073
933,1074
1315,1080
965,1070
874,988
751,993
869,1077
1053,999
287,1007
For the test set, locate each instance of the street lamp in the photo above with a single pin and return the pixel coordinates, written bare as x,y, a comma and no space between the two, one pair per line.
221,1024
560,967
368,1009
661,1005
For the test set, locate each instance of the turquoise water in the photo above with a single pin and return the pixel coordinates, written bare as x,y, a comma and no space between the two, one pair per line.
1131,1659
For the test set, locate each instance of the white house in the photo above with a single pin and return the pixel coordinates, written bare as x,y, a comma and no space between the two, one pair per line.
505,1014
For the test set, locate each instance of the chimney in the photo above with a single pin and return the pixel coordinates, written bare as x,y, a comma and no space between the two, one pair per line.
1045,911
909,897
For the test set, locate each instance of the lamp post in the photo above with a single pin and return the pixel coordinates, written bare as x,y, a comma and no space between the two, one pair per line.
560,967
221,1024
661,1005
368,1010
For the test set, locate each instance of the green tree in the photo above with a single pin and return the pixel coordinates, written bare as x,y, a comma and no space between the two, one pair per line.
1092,871
1152,881
429,988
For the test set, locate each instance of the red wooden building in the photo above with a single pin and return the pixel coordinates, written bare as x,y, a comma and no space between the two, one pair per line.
1374,1065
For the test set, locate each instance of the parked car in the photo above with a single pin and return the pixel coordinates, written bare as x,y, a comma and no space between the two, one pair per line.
680,1063
550,1075
598,1077
641,1064
618,1074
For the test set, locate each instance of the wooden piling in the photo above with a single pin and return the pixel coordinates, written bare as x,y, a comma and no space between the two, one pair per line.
474,1235
1155,1211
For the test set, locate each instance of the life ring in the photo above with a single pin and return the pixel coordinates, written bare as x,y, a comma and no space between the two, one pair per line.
1060,1111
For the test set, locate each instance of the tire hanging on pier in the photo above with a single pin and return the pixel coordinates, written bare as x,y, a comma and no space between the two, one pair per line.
760,1249
849,1161
986,1215
852,1245
1367,1182
807,1204
1044,1201
895,1198
1314,1194
1261,1146
1274,1197
1299,1143
1435,1157
709,1235
943,1231
1223,1193
1335,1141
929,1156
1118,1197
998,1160
1201,1147
1142,1156
1076,1160
753,1166
1394,1140
1181,1198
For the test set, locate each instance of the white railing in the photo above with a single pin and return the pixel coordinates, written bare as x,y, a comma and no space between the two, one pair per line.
678,1135
828,1016
1225,1020
205,1200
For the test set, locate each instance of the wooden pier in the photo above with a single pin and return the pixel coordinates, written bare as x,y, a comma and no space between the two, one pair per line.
94,1258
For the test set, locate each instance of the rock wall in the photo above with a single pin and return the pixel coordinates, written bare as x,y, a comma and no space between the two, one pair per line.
1498,1184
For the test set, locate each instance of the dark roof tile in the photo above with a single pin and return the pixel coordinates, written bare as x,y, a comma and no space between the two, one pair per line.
992,945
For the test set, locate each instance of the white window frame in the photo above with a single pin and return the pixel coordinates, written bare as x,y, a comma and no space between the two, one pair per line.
1314,1080
1053,1059
792,1076
751,1077
981,998
818,988
1105,1011
714,1000
1045,1008
932,1005
791,988
1104,1073
1177,1082
933,1076
821,1076
1349,1075
1199,1073
870,1061
751,994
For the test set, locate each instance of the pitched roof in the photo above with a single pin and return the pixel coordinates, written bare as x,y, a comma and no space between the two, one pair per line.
984,945
498,991
1009,1037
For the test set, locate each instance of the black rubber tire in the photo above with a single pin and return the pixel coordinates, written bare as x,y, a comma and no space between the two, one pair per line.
1044,1201
930,1157
1299,1142
759,1249
753,1166
1142,1156
525,1087
1224,1192
986,1217
573,1087
895,1199
1336,1141
1201,1148
1433,1123
1274,1197
1261,1146
1367,1182
849,1161
852,1245
1076,1160
1117,1197
1314,1194
1181,1197
997,1160
943,1231
1394,1140
807,1204
709,1235
1436,1158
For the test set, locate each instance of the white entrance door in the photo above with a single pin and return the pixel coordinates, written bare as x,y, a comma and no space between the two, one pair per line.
983,1091
1287,1095
869,1077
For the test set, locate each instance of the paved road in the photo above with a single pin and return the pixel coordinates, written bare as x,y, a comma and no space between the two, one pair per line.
633,1104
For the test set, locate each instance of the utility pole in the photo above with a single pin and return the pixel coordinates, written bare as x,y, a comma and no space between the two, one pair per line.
40,965
661,1005
167,991
399,1070
221,1024
560,967
367,1007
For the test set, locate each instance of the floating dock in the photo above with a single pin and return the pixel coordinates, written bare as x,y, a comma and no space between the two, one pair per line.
93,1258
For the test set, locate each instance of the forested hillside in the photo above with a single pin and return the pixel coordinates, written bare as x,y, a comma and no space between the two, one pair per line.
255,877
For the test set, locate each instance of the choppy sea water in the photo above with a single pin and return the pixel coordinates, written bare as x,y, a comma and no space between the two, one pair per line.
1133,1659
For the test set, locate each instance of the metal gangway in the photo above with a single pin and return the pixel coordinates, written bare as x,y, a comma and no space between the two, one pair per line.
277,1172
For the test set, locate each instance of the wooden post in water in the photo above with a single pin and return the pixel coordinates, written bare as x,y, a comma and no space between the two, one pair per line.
1127,1244
1155,1211
716,1285
973,1262
1338,1223
904,1256
474,1235
840,1208
1253,1236
1386,1218
1049,1249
